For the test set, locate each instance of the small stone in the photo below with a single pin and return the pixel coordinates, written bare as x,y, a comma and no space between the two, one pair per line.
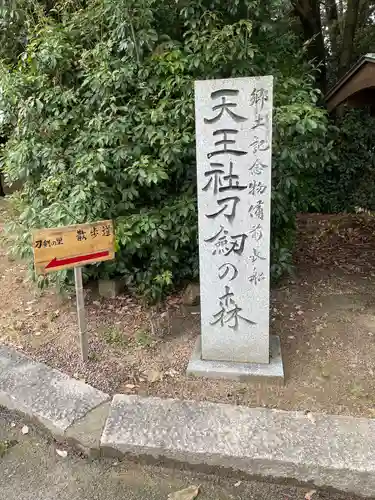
191,296
111,288
25,429
309,494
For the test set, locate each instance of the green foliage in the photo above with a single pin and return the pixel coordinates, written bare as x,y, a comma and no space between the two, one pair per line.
346,183
113,336
143,338
99,114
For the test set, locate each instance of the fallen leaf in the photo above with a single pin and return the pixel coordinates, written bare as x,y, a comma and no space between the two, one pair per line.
309,494
187,494
130,386
25,429
310,416
236,485
62,453
153,376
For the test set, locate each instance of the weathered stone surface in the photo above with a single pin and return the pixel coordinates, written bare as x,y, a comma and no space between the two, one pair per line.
86,432
271,373
44,394
191,295
330,451
233,141
111,288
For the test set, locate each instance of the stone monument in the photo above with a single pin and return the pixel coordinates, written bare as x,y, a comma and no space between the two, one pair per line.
234,151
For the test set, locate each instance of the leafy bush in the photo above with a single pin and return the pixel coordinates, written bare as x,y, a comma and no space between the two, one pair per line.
346,183
100,108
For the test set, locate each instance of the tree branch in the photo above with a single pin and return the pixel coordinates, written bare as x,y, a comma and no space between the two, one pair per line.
308,12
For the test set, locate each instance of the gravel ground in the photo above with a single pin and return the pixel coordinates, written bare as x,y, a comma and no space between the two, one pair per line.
325,317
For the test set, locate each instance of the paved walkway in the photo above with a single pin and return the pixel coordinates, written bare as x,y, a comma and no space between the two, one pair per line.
31,470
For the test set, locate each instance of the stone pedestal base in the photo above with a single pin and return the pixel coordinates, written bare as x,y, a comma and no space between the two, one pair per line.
272,373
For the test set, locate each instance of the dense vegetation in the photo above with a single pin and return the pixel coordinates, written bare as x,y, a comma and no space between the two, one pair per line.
97,116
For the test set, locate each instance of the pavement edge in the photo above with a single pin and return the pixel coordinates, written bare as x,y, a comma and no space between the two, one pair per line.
68,409
325,450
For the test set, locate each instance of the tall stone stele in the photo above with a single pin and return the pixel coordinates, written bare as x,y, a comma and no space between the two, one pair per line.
234,151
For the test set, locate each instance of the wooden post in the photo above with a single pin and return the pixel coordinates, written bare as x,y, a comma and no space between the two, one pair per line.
82,325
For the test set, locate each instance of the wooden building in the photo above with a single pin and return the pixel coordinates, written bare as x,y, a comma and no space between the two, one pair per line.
356,88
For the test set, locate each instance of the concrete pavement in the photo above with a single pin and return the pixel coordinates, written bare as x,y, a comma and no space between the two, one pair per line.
31,470
324,450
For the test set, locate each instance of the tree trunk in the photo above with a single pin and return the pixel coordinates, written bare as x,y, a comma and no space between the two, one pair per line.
308,12
350,25
364,11
333,26
2,193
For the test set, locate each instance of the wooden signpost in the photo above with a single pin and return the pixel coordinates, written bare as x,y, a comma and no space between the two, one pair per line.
73,247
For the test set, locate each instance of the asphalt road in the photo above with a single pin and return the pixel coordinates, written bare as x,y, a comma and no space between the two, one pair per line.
31,469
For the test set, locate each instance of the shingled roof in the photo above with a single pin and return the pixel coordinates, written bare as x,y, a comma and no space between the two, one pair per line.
356,87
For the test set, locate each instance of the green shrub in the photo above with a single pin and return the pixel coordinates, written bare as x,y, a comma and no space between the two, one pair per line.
346,183
101,113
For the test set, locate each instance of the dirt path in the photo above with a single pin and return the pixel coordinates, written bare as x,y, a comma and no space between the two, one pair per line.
325,317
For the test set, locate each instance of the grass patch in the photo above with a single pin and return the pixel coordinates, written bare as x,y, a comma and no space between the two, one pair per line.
5,446
143,338
113,336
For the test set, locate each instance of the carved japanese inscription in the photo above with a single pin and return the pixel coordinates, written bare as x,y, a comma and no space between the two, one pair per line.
234,141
